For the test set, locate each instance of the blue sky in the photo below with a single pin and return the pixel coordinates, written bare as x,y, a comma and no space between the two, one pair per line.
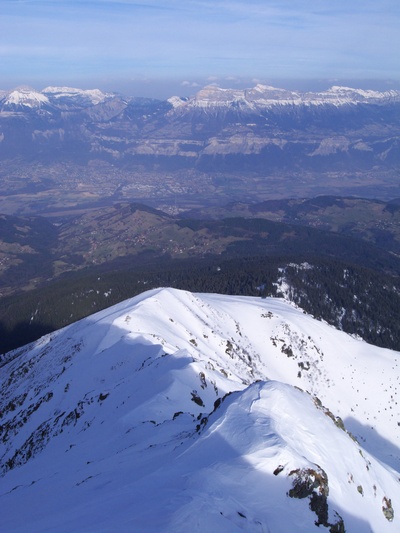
160,47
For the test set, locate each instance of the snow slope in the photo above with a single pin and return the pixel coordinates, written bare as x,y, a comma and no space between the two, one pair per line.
175,410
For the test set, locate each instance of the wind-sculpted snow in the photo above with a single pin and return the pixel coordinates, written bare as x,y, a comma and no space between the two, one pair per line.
174,411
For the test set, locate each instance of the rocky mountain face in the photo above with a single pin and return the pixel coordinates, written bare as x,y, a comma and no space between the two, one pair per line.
216,129
174,410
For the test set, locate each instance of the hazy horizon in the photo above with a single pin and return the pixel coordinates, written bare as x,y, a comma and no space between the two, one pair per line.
163,89
158,48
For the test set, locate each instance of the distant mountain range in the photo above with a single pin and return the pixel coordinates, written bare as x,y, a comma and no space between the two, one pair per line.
263,97
174,411
256,99
264,130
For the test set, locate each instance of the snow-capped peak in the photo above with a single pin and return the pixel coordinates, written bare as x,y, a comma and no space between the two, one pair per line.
25,97
177,101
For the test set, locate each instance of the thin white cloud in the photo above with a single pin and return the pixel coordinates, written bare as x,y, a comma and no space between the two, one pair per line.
190,84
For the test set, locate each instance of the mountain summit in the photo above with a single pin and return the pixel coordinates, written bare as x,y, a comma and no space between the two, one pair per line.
175,410
23,98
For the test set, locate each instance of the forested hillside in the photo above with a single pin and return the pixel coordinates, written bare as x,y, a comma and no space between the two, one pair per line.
355,299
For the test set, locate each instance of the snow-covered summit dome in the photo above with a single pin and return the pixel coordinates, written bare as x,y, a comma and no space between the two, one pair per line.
25,97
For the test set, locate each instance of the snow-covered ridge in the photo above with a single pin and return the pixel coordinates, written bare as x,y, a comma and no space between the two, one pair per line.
264,97
94,96
224,413
50,98
254,100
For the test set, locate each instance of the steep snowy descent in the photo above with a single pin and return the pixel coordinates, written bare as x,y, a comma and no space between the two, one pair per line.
174,410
